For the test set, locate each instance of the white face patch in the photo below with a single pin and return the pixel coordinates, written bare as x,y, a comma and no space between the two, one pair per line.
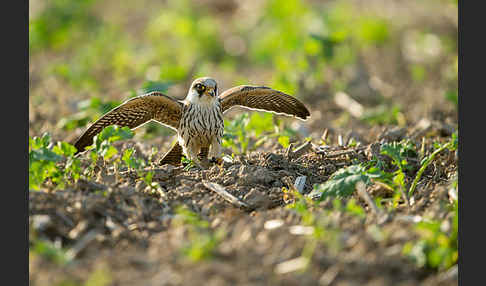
208,97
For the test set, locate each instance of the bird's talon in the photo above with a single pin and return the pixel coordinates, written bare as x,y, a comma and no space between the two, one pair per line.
217,161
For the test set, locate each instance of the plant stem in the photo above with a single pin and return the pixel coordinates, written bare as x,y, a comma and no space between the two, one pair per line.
425,165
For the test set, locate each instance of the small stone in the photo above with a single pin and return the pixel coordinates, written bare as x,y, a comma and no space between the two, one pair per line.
256,199
40,222
395,134
256,176
273,224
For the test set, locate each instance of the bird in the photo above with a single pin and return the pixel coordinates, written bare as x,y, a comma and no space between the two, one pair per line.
198,119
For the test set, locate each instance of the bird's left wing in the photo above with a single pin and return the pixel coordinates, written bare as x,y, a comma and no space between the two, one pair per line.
263,98
135,112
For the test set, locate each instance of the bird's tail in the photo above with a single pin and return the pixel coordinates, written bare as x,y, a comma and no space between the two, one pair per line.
173,156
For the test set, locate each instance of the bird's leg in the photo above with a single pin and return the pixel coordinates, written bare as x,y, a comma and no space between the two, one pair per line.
203,156
215,152
193,152
190,154
204,153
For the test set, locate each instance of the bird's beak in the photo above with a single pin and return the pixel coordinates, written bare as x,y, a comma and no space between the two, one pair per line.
211,92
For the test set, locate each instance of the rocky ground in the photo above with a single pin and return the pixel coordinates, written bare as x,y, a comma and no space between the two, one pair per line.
117,223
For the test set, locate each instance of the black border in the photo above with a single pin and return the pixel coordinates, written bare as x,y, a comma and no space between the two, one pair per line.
471,193
15,119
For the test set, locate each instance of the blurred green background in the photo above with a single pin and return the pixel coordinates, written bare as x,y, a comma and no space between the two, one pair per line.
397,59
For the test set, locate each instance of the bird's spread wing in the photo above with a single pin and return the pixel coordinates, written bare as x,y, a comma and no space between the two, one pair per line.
264,99
135,112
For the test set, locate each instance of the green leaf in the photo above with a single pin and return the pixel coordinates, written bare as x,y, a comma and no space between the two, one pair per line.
398,152
342,183
260,122
42,142
65,149
382,114
114,133
48,250
454,142
108,135
451,145
131,161
148,177
452,96
373,31
127,154
109,152
355,209
284,141
44,154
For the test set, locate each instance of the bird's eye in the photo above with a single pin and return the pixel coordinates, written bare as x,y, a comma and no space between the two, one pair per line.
199,87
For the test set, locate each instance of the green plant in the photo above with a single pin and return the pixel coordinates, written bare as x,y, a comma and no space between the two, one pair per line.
353,208
102,147
49,251
399,152
42,161
284,141
148,181
72,167
323,231
59,24
99,277
342,183
188,163
131,161
51,162
385,115
418,72
89,111
451,145
202,241
137,164
437,246
452,96
240,131
235,135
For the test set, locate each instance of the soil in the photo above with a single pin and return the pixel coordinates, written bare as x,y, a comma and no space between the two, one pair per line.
121,224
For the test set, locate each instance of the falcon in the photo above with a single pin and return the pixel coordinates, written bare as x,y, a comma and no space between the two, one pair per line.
198,119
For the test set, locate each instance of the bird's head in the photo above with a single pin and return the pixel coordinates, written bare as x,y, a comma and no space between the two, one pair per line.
203,90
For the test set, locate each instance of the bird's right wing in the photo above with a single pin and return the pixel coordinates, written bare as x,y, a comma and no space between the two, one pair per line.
135,112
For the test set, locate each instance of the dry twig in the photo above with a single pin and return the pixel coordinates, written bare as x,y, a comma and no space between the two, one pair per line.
226,195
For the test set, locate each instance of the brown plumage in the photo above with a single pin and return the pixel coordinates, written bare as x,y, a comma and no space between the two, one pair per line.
134,113
198,119
173,156
264,99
